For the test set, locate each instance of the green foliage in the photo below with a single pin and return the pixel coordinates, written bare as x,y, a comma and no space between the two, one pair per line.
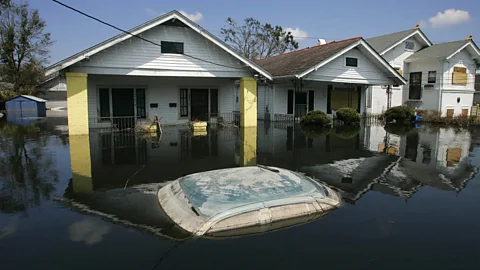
315,132
347,131
24,46
435,117
399,114
348,115
255,40
400,129
318,118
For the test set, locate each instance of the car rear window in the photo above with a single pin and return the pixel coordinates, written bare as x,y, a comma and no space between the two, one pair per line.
217,191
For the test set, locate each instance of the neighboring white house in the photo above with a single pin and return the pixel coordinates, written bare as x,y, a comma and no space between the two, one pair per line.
395,48
176,70
325,77
54,91
440,76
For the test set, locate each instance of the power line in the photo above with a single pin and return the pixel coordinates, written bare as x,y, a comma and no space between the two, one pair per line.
133,35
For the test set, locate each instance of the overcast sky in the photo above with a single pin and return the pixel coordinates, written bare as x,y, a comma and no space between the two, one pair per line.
441,20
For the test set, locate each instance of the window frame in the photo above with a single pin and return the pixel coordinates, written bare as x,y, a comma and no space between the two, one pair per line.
406,45
168,45
434,77
350,57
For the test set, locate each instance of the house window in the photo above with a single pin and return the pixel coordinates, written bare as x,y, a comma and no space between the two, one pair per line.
172,47
214,102
104,95
432,77
409,45
183,102
459,76
351,62
141,110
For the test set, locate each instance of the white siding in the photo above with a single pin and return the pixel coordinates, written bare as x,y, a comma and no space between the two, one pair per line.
162,91
430,96
281,98
461,59
137,57
336,71
449,101
265,100
395,58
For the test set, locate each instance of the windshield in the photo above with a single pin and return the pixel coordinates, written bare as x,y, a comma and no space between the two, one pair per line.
217,191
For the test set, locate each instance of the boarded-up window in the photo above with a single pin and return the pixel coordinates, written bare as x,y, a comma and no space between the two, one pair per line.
454,155
450,113
464,112
397,69
459,75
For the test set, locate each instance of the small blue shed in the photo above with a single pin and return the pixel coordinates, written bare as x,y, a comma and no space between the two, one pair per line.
25,106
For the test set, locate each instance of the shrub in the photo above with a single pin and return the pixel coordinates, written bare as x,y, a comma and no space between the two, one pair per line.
400,129
314,132
399,114
315,118
348,115
347,131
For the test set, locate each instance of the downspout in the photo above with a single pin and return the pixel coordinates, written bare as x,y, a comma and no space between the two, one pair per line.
442,83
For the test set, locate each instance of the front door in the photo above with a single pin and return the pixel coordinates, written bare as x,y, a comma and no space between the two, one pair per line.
199,104
415,86
123,107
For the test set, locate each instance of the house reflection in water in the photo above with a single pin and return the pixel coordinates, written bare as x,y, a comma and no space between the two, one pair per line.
108,167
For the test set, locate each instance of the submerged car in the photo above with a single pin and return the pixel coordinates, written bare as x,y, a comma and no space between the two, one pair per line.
239,201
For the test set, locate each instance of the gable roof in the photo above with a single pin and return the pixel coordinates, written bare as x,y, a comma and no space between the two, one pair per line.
37,99
144,27
296,62
301,62
385,43
442,50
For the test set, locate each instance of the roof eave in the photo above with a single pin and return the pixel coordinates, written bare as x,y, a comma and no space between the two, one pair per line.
418,31
146,26
469,43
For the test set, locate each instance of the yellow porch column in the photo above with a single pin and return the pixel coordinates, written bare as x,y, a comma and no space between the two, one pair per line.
248,102
81,164
248,147
77,102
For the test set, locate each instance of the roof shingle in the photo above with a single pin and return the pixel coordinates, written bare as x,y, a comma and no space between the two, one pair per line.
440,51
382,43
296,62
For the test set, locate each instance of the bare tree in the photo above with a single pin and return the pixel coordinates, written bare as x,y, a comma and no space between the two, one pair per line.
255,40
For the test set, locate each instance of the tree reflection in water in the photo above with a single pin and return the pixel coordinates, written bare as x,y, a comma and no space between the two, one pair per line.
26,174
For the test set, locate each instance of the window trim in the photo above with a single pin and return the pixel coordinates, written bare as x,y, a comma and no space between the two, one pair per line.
351,57
407,49
164,45
116,86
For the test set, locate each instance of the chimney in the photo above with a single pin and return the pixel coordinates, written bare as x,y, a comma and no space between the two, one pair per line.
322,41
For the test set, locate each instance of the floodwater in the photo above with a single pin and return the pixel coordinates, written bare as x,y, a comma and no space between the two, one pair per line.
411,198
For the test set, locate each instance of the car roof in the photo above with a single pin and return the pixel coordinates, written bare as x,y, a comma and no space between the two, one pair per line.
223,190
